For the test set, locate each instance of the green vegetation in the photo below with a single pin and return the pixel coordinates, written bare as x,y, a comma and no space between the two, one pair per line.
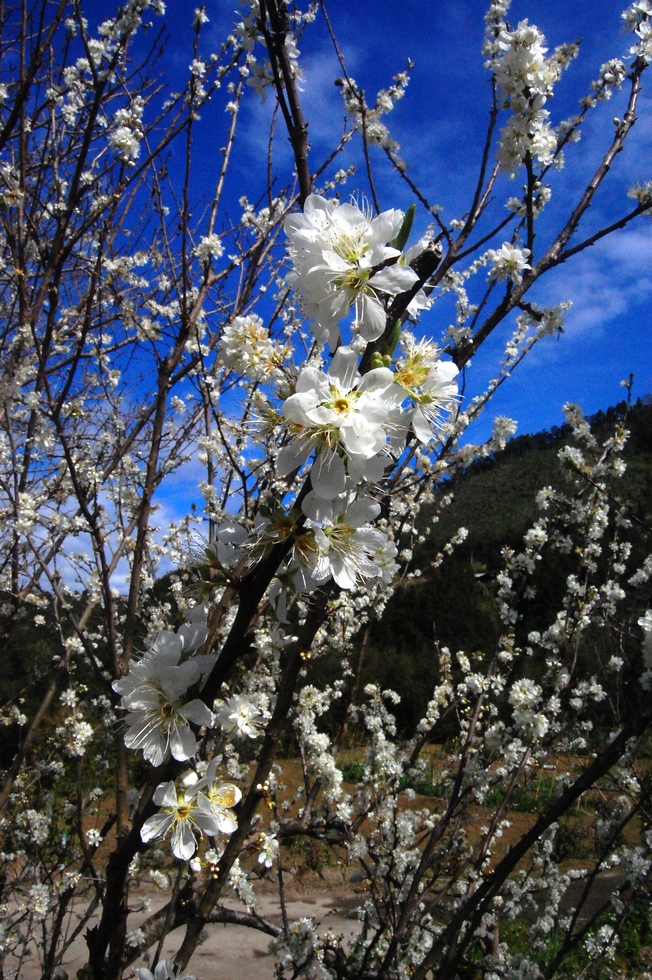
634,939
454,605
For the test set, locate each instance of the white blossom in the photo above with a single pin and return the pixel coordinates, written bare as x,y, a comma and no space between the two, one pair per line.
158,718
267,845
339,414
246,347
508,262
182,817
345,539
337,251
238,714
209,247
428,381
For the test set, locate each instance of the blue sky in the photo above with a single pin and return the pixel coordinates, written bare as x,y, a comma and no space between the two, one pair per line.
440,125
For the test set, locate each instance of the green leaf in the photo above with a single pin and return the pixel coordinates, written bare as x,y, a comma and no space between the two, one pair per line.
404,232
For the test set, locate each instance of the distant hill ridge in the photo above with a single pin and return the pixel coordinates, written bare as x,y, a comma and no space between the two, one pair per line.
495,496
455,605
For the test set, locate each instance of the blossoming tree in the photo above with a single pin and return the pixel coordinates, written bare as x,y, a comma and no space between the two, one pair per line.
291,354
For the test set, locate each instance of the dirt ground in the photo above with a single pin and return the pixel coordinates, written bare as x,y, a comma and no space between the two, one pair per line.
329,898
232,952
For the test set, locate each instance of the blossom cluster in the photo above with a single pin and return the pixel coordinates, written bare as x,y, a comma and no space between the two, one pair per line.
126,134
344,260
246,348
202,807
369,120
350,425
153,693
158,721
638,19
346,424
261,75
526,78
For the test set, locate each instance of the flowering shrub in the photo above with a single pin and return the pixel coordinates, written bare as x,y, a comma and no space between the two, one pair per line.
283,363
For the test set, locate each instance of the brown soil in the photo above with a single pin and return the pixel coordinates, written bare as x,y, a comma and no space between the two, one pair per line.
329,895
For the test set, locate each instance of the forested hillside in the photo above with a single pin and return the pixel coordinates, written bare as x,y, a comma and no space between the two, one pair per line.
454,605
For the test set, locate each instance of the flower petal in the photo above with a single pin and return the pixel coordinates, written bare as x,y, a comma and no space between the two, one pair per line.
165,794
370,317
193,634
198,712
328,475
183,842
156,826
395,279
293,456
183,743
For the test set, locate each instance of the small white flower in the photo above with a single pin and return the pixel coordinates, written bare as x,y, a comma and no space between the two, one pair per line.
181,817
165,970
238,714
159,879
508,262
80,735
209,247
336,250
268,849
